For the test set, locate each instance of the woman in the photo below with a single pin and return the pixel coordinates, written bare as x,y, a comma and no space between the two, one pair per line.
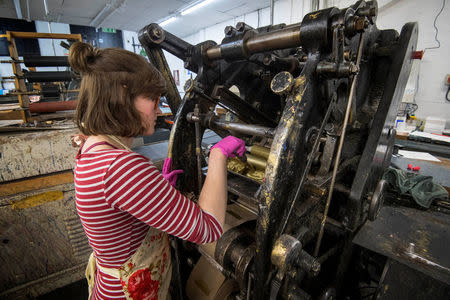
125,205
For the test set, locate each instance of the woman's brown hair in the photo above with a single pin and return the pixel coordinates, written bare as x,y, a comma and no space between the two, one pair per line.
111,79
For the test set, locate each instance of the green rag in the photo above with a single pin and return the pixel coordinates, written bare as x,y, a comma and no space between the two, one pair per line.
420,187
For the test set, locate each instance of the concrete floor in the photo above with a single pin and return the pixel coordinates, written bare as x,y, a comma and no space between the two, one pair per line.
75,291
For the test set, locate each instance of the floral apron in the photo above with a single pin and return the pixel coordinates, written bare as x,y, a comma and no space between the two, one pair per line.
146,274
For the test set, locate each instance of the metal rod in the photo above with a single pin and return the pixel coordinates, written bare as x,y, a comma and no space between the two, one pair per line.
330,253
245,129
40,92
339,150
272,6
198,151
10,62
278,39
254,130
309,162
250,278
387,265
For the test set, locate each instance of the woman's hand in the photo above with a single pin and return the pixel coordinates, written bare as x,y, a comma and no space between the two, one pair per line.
171,177
231,146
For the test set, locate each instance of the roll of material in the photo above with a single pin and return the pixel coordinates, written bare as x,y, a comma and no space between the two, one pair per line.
256,162
46,61
53,106
48,92
260,151
49,76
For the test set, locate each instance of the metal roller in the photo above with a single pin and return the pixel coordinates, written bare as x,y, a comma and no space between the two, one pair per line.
46,61
211,122
256,162
259,151
49,76
51,91
283,38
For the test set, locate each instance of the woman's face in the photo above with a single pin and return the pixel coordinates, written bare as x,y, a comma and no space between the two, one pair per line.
149,110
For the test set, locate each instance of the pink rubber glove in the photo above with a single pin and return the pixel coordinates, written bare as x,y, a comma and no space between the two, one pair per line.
230,146
171,177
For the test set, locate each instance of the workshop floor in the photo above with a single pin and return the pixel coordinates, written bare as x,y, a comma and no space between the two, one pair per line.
75,291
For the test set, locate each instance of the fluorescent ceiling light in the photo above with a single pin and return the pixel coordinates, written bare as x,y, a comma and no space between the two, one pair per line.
195,7
169,20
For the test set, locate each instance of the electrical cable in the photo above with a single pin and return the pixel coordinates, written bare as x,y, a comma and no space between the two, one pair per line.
446,95
436,28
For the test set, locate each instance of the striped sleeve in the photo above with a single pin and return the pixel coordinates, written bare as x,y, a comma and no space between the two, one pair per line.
133,184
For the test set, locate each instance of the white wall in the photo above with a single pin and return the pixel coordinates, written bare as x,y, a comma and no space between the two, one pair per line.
435,64
6,70
128,41
434,67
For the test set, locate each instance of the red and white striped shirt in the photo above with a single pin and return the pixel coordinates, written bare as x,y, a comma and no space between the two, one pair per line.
118,195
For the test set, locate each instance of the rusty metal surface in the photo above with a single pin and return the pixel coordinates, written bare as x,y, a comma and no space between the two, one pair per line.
419,239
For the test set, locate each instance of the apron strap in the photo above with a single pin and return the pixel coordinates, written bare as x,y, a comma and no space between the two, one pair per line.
92,146
98,144
108,271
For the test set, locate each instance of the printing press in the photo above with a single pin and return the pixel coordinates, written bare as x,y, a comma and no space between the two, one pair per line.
315,103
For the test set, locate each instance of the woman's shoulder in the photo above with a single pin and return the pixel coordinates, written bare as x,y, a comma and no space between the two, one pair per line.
122,157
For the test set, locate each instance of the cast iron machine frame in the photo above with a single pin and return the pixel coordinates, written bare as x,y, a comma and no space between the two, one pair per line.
323,94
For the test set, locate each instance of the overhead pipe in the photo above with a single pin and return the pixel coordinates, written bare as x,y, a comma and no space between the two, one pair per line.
98,20
28,11
272,6
18,10
53,92
315,4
